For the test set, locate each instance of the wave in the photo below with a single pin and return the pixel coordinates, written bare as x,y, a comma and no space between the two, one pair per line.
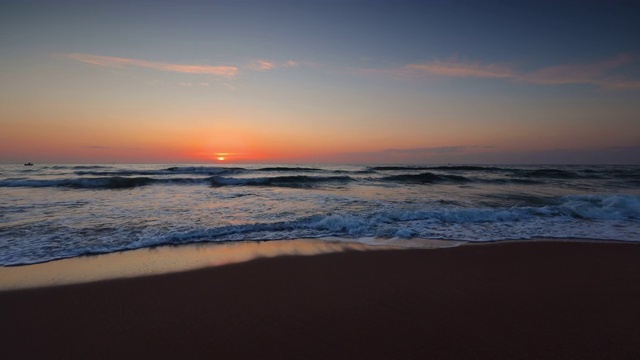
113,182
90,167
578,173
600,207
579,207
188,170
311,169
366,171
514,180
425,178
627,173
584,216
513,173
291,169
284,181
61,167
121,173
208,170
95,176
568,172
120,180
469,168
397,168
447,167
548,173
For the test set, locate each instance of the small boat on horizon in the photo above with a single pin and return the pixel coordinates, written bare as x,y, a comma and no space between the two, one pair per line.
28,164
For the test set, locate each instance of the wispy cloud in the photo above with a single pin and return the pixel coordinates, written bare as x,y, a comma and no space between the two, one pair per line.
462,69
225,71
600,73
593,73
265,65
110,61
620,84
261,65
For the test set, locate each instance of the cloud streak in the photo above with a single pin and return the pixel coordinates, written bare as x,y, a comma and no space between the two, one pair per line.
261,65
594,73
265,65
459,69
605,74
110,61
225,71
597,73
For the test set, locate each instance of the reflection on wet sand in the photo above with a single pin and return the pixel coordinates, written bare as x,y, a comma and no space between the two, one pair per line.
161,260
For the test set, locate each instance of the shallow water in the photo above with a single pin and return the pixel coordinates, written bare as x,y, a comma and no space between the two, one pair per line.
164,259
50,212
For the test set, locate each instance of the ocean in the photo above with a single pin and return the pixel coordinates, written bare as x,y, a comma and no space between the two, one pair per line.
50,212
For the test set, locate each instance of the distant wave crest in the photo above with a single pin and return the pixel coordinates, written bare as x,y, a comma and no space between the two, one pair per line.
288,169
106,177
285,181
176,170
426,178
112,182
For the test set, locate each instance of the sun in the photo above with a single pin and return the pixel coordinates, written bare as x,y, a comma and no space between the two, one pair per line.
221,156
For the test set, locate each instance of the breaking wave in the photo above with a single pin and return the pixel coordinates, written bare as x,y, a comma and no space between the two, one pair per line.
609,216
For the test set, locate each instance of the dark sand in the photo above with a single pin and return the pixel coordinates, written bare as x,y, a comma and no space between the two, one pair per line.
532,300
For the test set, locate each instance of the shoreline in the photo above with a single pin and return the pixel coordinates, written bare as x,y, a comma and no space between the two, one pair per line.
178,258
167,259
528,300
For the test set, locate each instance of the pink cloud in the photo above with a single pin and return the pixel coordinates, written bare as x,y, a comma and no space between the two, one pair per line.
598,73
265,65
595,73
455,68
262,65
110,61
620,84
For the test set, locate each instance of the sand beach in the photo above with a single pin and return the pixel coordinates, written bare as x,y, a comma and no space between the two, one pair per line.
524,300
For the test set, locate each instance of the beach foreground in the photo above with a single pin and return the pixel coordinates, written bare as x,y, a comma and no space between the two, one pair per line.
527,300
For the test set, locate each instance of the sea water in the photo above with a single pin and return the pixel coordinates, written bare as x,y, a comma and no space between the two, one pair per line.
50,212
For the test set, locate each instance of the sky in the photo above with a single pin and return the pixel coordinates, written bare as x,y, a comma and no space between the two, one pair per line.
350,82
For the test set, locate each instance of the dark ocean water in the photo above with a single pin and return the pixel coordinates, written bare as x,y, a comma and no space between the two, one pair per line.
49,212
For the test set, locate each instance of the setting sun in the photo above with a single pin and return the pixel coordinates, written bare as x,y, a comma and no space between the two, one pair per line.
221,158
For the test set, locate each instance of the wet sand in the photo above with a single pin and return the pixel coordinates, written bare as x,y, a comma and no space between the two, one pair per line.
529,300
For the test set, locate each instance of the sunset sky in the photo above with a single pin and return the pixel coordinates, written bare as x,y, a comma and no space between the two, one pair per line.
320,82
